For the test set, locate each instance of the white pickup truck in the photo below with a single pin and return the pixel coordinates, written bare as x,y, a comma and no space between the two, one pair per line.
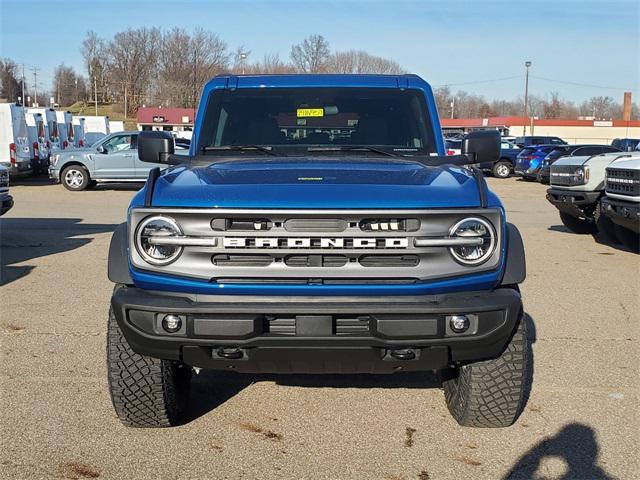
577,188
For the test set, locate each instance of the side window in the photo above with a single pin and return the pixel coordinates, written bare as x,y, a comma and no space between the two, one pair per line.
118,143
587,151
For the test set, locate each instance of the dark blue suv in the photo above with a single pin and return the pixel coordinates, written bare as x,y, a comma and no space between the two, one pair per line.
317,226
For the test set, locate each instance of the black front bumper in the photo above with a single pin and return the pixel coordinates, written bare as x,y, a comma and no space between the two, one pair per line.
6,203
625,214
576,203
318,334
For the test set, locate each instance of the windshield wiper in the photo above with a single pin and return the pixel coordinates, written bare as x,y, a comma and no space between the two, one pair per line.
352,148
239,148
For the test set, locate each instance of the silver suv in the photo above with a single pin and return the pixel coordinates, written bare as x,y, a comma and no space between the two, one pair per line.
113,158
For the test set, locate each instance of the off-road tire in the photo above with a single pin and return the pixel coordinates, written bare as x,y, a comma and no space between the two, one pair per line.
492,393
145,391
75,178
501,169
577,225
629,238
606,228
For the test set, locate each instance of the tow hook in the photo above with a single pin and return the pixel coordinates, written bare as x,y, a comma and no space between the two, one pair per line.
230,353
403,354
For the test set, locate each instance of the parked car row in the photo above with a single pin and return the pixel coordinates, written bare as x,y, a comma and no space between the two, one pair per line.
599,193
29,137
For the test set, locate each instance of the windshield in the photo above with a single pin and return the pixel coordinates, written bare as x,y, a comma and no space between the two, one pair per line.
299,120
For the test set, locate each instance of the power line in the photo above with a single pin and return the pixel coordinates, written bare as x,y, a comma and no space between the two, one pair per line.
577,84
479,81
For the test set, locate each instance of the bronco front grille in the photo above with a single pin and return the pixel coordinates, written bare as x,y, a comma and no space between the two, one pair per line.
623,182
324,247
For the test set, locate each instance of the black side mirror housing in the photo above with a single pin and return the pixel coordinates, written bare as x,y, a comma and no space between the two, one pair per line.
481,146
155,147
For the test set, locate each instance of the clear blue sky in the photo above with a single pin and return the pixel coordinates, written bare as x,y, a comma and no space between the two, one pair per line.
446,41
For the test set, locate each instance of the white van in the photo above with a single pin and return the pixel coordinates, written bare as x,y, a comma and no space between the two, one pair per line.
65,128
96,127
14,140
116,126
38,134
78,132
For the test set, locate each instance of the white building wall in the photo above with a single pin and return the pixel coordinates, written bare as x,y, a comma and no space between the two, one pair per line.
583,134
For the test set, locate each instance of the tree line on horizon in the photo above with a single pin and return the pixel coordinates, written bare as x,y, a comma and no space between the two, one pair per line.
153,67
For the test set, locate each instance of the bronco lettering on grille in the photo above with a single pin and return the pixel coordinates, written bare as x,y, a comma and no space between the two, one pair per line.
322,243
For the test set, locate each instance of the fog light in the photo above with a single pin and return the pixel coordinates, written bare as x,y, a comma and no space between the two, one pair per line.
171,323
459,323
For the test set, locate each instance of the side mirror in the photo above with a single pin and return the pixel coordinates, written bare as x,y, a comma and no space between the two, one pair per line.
482,146
101,149
155,147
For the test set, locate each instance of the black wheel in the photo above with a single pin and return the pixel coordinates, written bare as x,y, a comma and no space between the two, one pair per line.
605,226
577,225
629,238
75,178
145,391
501,169
492,393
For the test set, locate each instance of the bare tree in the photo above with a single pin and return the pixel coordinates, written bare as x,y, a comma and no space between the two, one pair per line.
358,61
312,55
598,107
10,87
132,63
209,57
94,52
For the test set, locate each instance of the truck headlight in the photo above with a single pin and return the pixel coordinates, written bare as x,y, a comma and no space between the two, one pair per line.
473,229
581,175
54,159
149,245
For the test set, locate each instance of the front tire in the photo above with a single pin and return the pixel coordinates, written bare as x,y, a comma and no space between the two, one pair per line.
577,225
75,178
492,393
145,391
630,239
605,226
501,169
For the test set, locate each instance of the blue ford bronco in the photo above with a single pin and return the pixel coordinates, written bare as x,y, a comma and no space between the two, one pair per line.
317,226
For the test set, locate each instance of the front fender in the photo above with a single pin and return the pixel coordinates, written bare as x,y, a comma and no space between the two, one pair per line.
515,270
118,263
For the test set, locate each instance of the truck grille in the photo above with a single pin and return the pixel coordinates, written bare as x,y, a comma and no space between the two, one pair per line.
623,182
562,174
331,247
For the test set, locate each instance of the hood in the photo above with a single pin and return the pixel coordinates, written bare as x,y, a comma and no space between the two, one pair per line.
628,163
316,183
603,158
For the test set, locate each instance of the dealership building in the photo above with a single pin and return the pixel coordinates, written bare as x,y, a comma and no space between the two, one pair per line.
179,120
573,131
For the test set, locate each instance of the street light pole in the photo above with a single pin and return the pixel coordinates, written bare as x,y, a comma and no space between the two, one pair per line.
527,64
242,56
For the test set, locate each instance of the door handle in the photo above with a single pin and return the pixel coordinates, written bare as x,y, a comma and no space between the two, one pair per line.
128,155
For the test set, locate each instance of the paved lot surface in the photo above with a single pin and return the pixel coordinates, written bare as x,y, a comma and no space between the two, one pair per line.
57,421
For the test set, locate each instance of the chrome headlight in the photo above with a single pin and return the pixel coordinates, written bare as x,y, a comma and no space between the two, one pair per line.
480,242
581,175
154,240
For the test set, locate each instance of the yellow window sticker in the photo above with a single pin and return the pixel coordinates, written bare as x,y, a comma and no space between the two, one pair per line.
310,112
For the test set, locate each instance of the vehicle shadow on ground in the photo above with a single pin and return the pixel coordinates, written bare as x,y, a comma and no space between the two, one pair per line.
30,181
23,239
120,187
210,389
576,444
597,237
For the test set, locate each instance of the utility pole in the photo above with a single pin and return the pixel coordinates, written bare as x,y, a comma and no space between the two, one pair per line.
23,97
76,82
242,56
453,105
95,92
125,101
527,64
35,84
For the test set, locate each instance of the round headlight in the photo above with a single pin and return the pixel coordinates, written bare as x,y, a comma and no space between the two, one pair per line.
579,175
479,251
149,237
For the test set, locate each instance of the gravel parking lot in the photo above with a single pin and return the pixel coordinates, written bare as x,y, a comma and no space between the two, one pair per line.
581,421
